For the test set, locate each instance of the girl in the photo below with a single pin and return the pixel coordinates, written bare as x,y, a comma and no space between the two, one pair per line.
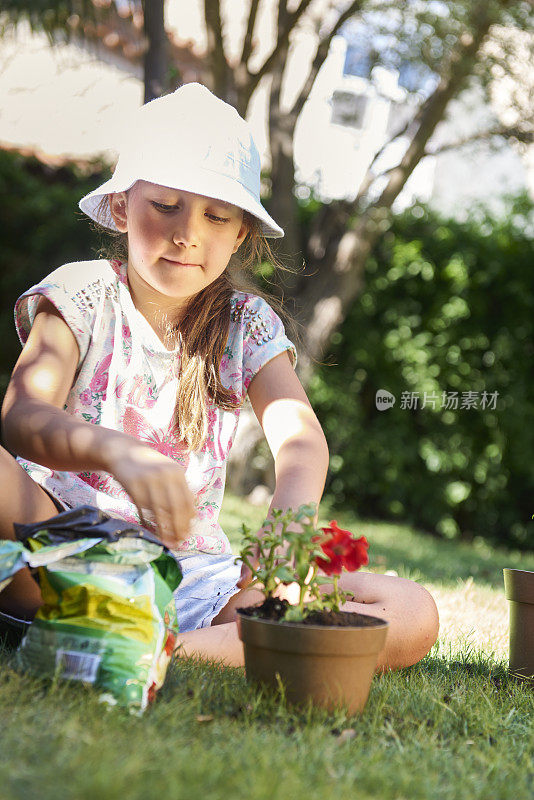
127,391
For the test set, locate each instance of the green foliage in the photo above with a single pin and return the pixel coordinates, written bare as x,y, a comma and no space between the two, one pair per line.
41,229
284,552
57,18
447,307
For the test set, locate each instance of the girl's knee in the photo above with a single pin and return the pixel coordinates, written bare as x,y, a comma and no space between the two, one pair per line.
21,498
413,617
429,619
422,628
6,459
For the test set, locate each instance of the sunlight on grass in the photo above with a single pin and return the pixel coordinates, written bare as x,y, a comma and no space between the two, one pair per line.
456,726
473,614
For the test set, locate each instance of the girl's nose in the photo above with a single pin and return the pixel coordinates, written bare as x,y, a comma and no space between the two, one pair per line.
186,230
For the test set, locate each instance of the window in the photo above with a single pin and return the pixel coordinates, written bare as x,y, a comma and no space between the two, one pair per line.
358,60
348,109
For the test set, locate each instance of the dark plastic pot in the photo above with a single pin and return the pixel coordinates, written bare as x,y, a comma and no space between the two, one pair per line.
519,590
332,666
12,629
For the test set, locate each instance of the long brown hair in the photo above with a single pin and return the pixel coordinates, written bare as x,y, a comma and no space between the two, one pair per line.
203,328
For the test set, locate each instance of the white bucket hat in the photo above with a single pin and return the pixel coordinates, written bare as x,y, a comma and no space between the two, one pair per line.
192,141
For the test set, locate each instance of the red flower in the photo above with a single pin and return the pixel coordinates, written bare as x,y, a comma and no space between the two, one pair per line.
343,550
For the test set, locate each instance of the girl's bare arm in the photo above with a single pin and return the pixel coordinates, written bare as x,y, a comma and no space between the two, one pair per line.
35,426
294,435
293,432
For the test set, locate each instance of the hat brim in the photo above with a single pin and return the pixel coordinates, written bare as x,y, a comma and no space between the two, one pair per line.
197,181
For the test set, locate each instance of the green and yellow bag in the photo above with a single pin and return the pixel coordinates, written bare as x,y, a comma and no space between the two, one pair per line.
108,617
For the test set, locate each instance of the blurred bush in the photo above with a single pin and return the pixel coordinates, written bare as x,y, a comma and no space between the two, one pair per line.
42,228
447,307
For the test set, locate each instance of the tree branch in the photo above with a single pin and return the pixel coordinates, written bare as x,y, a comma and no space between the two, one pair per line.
155,59
247,42
282,41
215,49
340,255
432,112
526,137
370,176
291,19
321,54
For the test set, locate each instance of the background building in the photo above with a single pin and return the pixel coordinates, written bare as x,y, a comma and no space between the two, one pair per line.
73,101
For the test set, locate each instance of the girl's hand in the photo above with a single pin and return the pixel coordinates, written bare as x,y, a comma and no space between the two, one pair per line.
246,575
291,593
158,488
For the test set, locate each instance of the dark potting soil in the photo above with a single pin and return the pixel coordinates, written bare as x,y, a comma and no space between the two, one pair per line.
273,609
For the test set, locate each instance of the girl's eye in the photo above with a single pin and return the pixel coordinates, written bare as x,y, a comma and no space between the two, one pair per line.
163,207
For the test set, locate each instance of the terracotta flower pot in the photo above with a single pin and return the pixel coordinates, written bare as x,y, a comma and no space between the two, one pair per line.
519,591
332,666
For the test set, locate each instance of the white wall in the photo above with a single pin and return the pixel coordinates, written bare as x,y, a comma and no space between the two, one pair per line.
65,101
479,171
61,101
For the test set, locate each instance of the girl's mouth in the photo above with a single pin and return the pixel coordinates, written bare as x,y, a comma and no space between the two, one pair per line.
179,263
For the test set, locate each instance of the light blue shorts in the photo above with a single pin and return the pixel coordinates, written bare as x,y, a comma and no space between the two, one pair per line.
208,583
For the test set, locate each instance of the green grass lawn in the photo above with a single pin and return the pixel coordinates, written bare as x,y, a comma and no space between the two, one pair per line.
454,726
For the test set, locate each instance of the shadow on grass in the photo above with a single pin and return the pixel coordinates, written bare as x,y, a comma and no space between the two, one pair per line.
406,699
465,670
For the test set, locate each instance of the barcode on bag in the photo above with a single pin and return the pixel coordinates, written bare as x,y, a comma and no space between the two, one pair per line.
78,666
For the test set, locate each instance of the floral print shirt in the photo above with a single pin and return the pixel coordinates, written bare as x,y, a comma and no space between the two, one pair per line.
127,380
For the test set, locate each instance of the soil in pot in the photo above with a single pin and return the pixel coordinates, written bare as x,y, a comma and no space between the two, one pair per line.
274,609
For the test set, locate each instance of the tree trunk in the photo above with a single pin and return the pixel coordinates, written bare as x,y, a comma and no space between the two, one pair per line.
337,282
338,252
282,203
243,473
155,63
338,248
220,76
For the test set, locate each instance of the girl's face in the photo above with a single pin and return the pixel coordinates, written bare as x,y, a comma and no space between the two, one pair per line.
178,242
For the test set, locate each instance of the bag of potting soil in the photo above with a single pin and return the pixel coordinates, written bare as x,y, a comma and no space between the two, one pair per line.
108,617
